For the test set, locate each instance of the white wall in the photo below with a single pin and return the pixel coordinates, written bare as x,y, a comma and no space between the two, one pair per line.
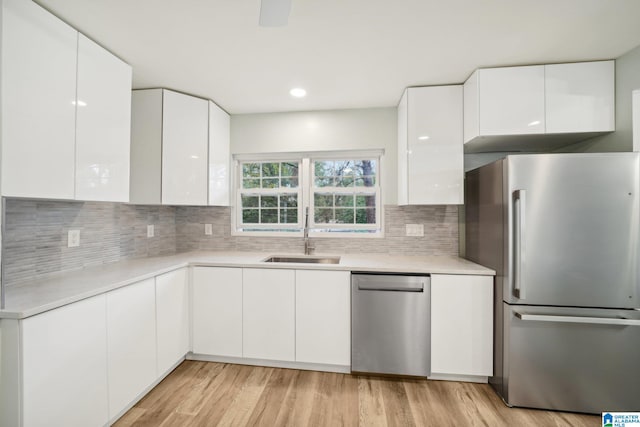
358,129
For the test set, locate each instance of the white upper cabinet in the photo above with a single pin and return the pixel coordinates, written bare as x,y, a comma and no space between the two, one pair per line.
171,160
103,129
38,102
580,97
185,137
219,156
504,101
65,110
538,107
430,147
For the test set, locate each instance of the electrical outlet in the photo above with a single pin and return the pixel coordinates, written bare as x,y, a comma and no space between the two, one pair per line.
208,229
73,238
414,230
150,231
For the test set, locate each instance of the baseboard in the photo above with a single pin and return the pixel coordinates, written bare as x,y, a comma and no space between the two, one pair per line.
343,369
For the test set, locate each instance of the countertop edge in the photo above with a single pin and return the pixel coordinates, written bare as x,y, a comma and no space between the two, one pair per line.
194,259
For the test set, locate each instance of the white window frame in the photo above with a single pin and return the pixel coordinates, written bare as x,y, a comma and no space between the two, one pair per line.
305,192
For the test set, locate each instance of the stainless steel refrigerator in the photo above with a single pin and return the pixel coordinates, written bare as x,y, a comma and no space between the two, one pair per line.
562,232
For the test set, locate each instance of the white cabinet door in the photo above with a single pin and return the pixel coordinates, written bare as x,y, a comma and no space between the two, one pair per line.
511,100
103,128
131,343
462,325
323,317
579,97
184,149
403,129
471,101
65,366
172,318
268,314
435,164
219,157
38,102
217,311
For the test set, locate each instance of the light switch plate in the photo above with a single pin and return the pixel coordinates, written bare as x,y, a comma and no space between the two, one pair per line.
414,230
208,229
150,230
73,238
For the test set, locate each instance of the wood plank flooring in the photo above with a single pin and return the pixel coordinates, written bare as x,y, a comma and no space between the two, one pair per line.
218,394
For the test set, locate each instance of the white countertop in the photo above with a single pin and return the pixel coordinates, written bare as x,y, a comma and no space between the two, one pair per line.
32,297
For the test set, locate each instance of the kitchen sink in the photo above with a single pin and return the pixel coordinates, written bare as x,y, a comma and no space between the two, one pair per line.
304,259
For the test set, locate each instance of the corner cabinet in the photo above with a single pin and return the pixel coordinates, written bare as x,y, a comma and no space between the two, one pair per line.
461,327
430,147
179,150
65,110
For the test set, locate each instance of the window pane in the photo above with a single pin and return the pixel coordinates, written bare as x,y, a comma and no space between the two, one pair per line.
250,170
270,169
366,181
288,216
323,200
344,201
323,215
323,168
345,181
250,201
251,183
269,216
289,201
366,201
344,168
344,216
366,167
324,182
289,182
250,216
269,201
270,182
366,216
289,169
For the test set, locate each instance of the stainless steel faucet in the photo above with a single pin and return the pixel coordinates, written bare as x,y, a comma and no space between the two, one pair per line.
307,247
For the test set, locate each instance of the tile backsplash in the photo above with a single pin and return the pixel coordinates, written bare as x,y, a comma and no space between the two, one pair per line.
34,240
440,233
35,234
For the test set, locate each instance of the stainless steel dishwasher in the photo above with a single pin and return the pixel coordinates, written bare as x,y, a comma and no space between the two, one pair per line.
390,324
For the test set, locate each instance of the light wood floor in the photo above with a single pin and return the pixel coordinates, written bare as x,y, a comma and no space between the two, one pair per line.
210,394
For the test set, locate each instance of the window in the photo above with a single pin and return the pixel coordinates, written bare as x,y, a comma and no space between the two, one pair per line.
269,195
345,193
340,190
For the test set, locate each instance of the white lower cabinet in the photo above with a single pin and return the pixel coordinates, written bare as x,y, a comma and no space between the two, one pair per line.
64,366
172,318
131,343
268,314
323,317
462,325
217,311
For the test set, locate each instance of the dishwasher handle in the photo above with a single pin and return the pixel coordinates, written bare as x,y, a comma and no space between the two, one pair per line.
389,287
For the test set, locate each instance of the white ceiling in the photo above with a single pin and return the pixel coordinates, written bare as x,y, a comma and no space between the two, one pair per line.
346,53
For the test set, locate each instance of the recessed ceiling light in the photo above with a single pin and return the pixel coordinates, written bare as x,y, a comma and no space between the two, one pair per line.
423,137
298,92
534,123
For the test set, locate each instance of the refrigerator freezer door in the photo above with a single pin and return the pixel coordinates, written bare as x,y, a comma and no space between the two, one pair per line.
573,229
582,360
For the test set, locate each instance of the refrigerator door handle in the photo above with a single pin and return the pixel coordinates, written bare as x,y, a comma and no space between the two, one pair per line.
519,201
578,319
